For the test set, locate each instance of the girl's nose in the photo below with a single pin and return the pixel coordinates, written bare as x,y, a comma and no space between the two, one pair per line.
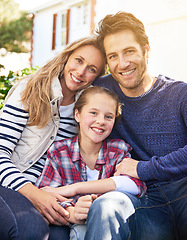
100,119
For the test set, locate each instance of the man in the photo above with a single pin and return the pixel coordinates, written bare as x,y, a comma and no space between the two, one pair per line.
154,123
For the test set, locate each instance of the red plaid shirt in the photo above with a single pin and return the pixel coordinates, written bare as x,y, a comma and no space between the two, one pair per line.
65,165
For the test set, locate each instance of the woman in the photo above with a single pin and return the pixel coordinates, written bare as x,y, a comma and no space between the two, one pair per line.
38,110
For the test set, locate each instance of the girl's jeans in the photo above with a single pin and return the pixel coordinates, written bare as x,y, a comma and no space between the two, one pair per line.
19,220
159,215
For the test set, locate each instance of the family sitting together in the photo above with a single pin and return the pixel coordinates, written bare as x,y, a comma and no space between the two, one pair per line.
84,155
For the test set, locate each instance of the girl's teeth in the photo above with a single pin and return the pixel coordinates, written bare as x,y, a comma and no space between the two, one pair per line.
97,130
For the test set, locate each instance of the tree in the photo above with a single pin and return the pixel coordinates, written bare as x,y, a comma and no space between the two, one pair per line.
15,27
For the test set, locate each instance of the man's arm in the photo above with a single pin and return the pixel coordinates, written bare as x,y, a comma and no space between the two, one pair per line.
173,166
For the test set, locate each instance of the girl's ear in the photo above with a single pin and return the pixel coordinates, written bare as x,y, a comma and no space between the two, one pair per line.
77,116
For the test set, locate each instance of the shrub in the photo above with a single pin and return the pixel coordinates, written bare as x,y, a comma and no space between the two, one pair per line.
6,82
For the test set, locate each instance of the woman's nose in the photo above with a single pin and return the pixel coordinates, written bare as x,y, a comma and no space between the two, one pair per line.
81,70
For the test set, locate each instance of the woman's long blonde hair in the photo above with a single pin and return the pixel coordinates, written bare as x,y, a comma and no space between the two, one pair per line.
37,94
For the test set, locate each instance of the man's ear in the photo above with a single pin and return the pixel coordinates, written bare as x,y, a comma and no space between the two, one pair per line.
77,115
147,52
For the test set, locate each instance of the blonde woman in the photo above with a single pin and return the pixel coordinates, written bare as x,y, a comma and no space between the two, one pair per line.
37,111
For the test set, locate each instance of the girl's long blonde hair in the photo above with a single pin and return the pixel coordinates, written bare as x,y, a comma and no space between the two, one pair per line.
37,94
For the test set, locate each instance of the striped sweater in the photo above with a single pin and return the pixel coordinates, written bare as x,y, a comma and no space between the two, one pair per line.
12,123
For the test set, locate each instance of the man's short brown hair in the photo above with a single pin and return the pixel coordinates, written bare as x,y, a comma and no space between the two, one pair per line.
113,23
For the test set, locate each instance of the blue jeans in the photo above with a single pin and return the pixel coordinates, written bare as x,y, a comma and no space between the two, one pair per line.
19,220
160,215
77,231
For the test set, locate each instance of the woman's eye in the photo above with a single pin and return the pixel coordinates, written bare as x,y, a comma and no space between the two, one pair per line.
79,60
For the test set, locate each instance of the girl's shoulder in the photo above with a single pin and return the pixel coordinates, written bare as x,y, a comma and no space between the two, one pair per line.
118,145
64,144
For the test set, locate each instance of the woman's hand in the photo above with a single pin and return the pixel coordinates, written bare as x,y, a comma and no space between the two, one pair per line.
47,204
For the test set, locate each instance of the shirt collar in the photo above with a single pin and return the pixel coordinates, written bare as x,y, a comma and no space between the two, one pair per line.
75,152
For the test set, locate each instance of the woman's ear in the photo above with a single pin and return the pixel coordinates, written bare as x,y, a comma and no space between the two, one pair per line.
77,115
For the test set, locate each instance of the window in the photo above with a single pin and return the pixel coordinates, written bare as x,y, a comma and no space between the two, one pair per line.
63,29
60,34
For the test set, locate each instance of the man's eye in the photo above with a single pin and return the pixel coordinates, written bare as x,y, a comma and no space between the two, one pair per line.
111,57
130,51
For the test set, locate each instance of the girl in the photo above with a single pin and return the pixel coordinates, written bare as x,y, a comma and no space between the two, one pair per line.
82,160
38,110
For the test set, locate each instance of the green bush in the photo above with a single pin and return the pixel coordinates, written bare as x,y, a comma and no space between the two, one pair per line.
6,82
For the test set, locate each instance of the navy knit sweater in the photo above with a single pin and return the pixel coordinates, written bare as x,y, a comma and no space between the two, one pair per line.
155,125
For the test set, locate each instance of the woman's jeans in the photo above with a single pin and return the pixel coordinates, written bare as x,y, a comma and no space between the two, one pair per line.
160,215
19,220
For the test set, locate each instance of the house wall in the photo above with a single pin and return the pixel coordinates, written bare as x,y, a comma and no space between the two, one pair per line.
42,36
165,22
43,28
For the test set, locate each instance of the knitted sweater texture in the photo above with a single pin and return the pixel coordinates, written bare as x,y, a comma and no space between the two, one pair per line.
155,125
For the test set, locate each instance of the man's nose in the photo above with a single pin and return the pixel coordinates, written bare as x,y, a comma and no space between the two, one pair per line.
123,62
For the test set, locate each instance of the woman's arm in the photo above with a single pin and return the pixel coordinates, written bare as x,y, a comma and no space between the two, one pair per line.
47,204
12,123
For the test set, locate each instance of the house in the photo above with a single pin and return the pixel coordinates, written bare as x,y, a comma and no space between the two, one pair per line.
59,22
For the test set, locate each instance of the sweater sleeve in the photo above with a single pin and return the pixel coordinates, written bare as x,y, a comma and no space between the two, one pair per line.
173,166
12,122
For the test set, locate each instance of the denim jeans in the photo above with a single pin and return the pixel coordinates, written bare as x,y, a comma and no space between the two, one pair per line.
159,215
77,231
19,220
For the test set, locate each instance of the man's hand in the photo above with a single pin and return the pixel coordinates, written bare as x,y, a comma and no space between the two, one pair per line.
47,204
127,167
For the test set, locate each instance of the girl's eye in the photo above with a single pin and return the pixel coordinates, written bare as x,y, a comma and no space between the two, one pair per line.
92,70
93,113
109,117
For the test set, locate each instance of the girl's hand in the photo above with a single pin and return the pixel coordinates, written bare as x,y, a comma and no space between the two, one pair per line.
82,206
47,204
